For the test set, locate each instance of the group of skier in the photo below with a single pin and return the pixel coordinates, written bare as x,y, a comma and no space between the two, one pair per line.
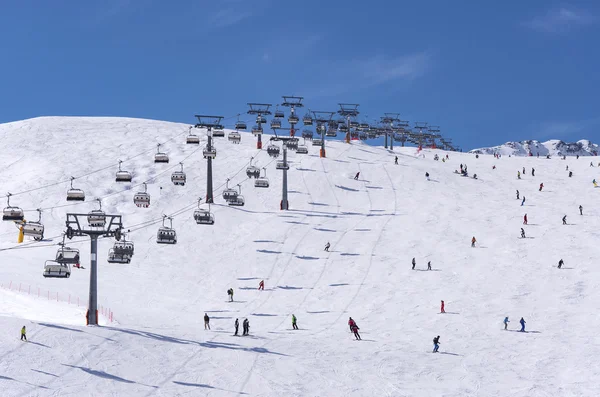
414,263
522,322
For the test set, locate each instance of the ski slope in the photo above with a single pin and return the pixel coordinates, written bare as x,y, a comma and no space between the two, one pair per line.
157,345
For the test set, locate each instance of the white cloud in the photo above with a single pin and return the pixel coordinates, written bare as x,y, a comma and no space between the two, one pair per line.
560,20
229,16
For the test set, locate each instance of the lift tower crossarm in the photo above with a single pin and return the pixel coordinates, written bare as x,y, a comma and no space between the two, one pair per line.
348,110
322,118
259,109
292,101
209,121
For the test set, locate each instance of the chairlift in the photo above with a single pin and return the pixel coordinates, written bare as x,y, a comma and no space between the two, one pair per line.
354,124
343,128
228,193
279,114
275,123
281,165
142,199
302,149
234,137
160,157
123,176
204,217
121,252
331,132
256,130
321,129
178,177
166,235
273,150
12,213
307,120
292,144
293,119
362,136
114,257
262,181
306,134
192,139
67,255
97,218
252,171
57,269
364,126
317,142
34,229
218,132
209,152
240,125
75,194
260,119
239,199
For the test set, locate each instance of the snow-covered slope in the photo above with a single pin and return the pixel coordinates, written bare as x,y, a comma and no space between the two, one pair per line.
157,345
552,147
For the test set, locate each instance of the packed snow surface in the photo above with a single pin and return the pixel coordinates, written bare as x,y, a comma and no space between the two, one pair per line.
156,344
553,147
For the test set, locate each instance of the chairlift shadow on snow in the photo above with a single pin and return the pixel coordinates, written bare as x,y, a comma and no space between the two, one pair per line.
349,189
307,258
338,285
319,312
349,254
219,311
43,372
60,327
296,222
268,241
362,230
306,169
264,315
321,204
320,229
374,187
221,317
37,343
263,251
19,381
287,287
248,278
105,375
204,386
451,354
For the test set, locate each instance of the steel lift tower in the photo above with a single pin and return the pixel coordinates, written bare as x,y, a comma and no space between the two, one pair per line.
259,110
322,120
293,102
285,204
420,126
348,110
209,122
434,132
77,225
388,121
402,127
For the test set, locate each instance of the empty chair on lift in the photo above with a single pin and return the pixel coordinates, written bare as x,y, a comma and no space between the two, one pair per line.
12,213
142,199
239,199
192,139
240,125
228,193
317,142
75,194
262,181
160,157
123,176
178,177
260,119
203,216
97,218
307,120
273,150
364,126
281,165
218,133
209,153
256,130
34,229
56,269
279,114
302,149
331,132
234,137
343,128
166,235
293,119
275,123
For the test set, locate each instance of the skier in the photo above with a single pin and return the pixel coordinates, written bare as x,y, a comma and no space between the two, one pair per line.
533,170
541,186
442,308
261,285
591,164
567,169
522,233
396,160
474,176
351,323
429,265
356,176
518,174
580,210
230,293
206,321
294,322
564,220
522,325
517,194
237,326
461,168
414,262
506,323
246,326
354,328
523,202
327,246
595,183
436,344
560,263
427,175
494,167
570,174
525,219
473,241
524,171
24,334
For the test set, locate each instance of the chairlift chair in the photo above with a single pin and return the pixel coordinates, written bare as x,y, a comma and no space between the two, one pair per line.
331,132
12,213
354,124
142,199
209,153
307,120
123,247
240,125
166,235
178,177
364,126
293,119
160,157
281,165
234,137
302,149
256,130
75,194
275,123
306,134
218,132
239,199
97,218
114,257
279,114
262,181
253,171
362,136
292,144
123,176
204,217
260,119
228,193
192,139
34,229
317,142
343,128
57,269
273,150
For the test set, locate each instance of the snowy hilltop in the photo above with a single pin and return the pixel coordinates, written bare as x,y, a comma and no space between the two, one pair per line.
534,148
343,250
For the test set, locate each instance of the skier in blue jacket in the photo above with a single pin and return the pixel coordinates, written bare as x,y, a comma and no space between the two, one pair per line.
522,325
506,323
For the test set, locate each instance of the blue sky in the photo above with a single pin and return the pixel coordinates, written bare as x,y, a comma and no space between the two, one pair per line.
485,72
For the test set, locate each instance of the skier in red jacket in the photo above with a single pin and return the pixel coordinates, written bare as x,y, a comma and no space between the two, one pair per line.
442,308
541,186
525,219
261,285
351,323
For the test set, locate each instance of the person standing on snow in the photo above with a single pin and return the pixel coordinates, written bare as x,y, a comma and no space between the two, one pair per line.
442,308
356,176
560,263
429,265
523,202
524,171
294,322
436,344
570,174
230,293
427,175
261,285
522,325
506,323
327,246
533,170
354,328
580,210
206,321
564,220
525,219
396,160
541,186
246,326
473,241
522,233
518,174
237,326
24,333
351,322
414,262
517,194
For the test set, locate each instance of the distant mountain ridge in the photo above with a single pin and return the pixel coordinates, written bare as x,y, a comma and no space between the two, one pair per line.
552,147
